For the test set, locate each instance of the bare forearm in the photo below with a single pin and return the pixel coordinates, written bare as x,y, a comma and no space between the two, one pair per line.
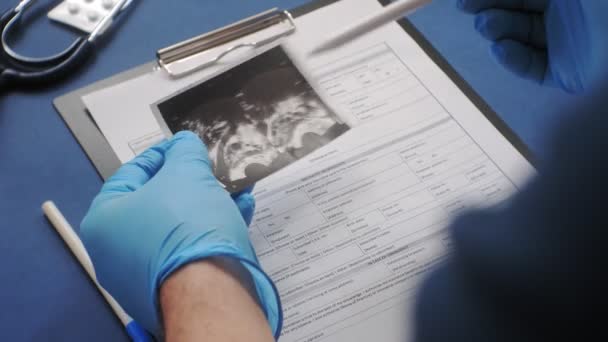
207,300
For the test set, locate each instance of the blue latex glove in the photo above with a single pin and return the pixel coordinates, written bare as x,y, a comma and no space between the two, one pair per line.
552,42
160,211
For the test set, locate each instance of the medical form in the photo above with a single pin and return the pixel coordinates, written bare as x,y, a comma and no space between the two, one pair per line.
348,232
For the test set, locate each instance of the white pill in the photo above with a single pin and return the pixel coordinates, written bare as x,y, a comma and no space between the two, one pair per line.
108,4
92,15
73,7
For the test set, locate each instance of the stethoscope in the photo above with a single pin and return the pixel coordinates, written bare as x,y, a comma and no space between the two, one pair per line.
16,69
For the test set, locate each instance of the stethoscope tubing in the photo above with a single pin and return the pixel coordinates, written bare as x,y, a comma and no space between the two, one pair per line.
19,70
48,75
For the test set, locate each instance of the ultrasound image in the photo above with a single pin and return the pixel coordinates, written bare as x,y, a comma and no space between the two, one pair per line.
255,119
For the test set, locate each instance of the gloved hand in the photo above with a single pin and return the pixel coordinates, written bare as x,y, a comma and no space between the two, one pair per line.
552,42
160,211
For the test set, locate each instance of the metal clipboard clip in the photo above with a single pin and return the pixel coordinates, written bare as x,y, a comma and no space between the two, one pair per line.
210,48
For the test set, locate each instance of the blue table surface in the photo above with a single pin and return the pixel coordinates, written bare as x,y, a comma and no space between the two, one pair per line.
45,294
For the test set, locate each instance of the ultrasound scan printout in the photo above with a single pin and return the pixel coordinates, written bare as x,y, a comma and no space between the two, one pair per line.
255,118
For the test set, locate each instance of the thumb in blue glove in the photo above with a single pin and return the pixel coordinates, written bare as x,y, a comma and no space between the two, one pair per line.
552,42
161,211
246,203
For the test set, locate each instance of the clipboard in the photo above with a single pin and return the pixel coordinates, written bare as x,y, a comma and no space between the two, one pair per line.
83,127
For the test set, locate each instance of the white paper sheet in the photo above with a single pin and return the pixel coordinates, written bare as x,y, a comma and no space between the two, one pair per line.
348,232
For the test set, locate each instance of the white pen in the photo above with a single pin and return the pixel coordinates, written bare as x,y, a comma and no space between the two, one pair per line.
387,14
71,239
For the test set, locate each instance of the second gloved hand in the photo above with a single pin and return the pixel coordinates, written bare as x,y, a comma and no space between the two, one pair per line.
161,211
552,42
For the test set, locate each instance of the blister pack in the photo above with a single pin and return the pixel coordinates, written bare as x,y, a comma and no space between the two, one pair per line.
82,14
